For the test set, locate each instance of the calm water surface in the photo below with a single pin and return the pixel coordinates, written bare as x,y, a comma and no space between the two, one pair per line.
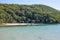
48,32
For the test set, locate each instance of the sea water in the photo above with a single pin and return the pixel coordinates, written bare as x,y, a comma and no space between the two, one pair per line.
47,32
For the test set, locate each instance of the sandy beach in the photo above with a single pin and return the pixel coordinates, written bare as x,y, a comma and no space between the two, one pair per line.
14,24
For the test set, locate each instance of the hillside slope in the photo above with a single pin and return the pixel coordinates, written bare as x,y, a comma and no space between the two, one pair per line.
14,13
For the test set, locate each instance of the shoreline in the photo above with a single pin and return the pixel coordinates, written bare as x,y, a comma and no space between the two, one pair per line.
21,24
16,24
13,24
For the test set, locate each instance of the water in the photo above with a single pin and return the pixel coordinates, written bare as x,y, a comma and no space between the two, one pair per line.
47,32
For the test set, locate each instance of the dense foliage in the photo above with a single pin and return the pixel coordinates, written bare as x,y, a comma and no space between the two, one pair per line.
14,13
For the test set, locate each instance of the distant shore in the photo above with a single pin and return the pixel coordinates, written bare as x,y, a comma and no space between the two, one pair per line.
21,24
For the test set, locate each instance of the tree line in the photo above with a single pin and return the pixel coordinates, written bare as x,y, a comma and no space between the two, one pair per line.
14,13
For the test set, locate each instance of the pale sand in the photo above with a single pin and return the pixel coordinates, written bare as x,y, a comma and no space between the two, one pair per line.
13,24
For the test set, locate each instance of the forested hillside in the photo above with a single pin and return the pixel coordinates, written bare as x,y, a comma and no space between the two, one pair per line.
14,13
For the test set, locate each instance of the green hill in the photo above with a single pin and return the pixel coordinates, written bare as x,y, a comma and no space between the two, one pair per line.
14,13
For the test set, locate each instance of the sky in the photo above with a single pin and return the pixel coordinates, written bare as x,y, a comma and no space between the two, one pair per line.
52,3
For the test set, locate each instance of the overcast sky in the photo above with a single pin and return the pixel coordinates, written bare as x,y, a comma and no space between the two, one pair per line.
53,3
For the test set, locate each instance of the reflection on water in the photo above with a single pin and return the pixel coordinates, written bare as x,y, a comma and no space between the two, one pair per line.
50,32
